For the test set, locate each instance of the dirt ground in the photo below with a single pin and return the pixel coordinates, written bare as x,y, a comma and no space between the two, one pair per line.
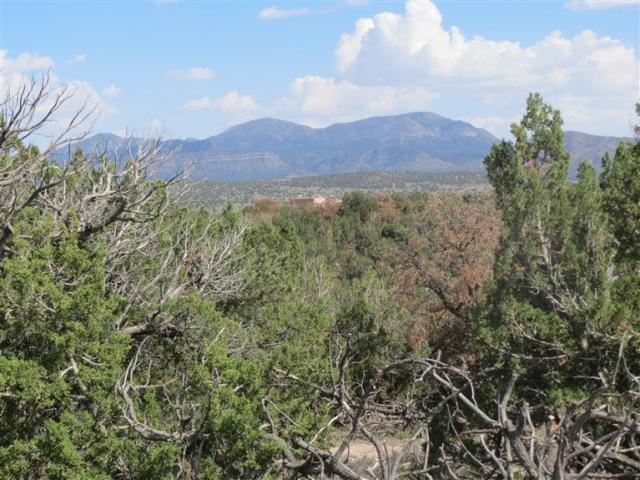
364,449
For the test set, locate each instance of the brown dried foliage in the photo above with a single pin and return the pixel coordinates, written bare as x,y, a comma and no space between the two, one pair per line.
444,266
263,208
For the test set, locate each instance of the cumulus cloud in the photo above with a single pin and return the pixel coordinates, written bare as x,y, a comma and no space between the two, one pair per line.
25,62
414,49
195,104
194,73
322,100
111,91
233,102
16,72
227,110
81,93
396,48
599,4
318,101
275,13
351,44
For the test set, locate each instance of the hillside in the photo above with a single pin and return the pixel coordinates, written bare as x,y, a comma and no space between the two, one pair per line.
269,148
592,148
215,194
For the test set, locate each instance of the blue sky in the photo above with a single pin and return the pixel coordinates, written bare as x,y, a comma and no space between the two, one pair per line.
196,67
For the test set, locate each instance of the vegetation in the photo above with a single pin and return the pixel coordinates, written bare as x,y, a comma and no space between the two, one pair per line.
215,194
401,335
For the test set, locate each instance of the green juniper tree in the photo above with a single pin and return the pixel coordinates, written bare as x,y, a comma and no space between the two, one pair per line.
132,337
551,273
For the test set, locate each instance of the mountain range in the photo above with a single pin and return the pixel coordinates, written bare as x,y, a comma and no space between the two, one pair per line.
270,148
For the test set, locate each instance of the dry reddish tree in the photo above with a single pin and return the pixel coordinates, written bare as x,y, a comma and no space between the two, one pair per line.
447,260
263,208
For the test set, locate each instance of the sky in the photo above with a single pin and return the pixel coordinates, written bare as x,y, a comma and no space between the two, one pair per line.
194,68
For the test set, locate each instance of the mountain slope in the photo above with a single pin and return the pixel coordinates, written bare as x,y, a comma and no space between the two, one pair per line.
269,148
583,146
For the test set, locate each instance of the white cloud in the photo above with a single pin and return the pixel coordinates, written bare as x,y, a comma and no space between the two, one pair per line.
111,91
318,101
350,45
587,114
226,110
275,13
25,62
232,103
194,73
393,48
598,4
195,104
15,72
414,49
83,92
327,100
77,59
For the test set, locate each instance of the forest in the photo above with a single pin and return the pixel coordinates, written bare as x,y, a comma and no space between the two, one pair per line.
430,335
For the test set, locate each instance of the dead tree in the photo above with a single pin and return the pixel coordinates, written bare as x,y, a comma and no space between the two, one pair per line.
26,172
598,437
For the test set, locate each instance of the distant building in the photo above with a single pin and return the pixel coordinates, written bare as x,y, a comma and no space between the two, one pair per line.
308,202
326,204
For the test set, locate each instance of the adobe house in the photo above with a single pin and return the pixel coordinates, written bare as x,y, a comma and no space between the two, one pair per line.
307,202
321,203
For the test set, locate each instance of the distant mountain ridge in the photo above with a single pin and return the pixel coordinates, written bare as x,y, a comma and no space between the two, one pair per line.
583,146
269,148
